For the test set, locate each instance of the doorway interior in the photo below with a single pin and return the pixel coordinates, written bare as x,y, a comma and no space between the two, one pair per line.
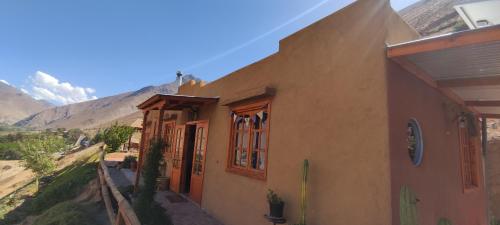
188,158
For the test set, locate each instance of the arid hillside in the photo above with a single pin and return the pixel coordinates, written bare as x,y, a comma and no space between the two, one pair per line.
94,113
434,17
16,105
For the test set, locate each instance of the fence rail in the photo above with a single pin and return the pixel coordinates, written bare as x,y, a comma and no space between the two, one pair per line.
122,213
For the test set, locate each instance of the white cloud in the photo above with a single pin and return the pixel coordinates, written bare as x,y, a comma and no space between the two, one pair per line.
47,87
25,91
5,82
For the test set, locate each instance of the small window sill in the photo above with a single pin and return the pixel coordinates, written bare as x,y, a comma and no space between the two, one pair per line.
247,173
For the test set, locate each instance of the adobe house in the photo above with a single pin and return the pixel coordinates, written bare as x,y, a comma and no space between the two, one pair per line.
389,122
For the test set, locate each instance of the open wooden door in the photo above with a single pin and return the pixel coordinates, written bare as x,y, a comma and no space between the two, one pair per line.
177,158
200,149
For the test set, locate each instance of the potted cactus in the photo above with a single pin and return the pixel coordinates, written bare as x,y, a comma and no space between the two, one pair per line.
276,204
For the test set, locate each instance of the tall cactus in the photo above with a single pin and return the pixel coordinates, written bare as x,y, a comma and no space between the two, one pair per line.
407,206
303,193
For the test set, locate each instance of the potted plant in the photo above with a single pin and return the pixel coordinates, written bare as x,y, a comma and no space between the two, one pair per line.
130,162
133,164
276,204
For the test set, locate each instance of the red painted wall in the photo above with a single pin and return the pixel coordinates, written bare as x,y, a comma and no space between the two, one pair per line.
437,182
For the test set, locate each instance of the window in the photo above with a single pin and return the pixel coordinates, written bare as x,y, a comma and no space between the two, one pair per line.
415,142
468,154
169,137
198,151
249,140
178,150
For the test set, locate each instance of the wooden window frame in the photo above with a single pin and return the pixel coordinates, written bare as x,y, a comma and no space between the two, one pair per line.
168,150
468,159
248,171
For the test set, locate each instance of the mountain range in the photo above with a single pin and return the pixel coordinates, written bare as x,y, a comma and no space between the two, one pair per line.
16,105
95,113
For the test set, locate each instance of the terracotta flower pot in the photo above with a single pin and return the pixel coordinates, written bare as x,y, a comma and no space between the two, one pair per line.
133,165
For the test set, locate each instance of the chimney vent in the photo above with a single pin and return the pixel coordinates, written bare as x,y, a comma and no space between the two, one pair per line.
179,78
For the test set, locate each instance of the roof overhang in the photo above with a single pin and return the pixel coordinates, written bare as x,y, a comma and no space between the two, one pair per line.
175,102
464,66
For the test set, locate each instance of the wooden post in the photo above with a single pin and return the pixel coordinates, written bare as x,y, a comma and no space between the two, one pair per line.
141,151
160,124
484,135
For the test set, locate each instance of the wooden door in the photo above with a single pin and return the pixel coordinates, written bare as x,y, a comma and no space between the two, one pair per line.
177,158
199,153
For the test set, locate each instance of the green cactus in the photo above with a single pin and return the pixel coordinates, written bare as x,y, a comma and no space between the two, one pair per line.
444,221
303,193
407,206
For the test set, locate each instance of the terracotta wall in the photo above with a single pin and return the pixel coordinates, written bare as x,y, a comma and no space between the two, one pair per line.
330,107
437,182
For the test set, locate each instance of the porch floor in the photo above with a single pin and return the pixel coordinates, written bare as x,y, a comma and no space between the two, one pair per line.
182,211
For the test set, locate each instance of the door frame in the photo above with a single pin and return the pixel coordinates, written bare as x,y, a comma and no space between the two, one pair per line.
204,157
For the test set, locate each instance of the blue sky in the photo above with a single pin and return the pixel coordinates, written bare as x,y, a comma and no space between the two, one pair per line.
84,49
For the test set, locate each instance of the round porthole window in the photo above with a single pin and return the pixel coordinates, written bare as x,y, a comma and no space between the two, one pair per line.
415,142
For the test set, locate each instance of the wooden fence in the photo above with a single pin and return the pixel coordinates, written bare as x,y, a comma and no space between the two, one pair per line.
118,208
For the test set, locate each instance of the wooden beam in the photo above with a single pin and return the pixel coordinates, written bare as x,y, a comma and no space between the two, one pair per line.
482,103
469,82
491,116
454,40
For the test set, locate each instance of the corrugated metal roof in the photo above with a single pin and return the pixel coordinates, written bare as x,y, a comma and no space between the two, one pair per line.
459,62
464,62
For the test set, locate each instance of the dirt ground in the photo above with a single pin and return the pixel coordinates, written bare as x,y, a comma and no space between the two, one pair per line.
14,176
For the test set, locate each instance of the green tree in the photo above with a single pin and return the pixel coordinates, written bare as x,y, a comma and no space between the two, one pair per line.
37,153
117,135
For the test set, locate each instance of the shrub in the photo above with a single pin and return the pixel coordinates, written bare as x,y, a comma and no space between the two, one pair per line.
117,135
148,211
128,160
72,135
37,154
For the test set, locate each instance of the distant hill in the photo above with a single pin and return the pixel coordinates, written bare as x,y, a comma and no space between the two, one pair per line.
16,105
95,113
434,17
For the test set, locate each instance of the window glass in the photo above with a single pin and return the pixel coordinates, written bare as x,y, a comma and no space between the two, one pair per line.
415,142
248,151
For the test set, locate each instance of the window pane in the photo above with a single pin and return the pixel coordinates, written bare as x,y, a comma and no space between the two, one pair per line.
256,138
256,120
245,139
243,161
247,121
237,156
262,160
239,123
254,159
264,119
263,139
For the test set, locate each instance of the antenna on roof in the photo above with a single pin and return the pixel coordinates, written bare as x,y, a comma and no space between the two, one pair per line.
179,77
